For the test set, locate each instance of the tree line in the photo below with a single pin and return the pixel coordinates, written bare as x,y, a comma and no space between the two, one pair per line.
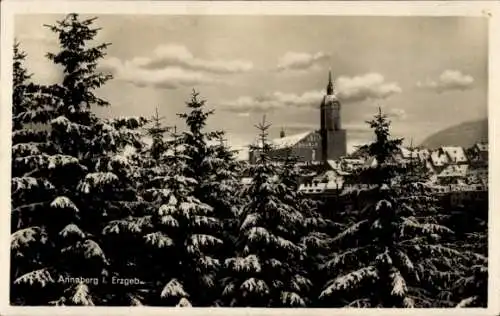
175,217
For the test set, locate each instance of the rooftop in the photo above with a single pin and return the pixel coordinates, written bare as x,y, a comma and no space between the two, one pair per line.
285,142
439,158
456,154
454,171
482,146
289,141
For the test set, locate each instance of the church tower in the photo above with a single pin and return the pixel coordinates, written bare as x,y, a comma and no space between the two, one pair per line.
333,137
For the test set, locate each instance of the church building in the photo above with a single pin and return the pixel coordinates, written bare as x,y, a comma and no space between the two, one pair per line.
327,143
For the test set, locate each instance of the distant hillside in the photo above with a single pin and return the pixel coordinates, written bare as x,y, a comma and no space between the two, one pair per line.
464,135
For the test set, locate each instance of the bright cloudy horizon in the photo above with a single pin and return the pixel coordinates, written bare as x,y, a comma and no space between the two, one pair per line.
427,73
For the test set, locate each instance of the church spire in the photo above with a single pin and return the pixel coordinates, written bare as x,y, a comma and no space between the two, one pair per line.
329,87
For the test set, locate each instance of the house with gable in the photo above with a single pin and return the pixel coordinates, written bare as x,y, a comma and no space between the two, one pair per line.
478,155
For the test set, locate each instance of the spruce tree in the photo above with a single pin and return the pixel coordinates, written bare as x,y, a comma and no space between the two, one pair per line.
133,234
394,249
31,192
214,168
465,282
267,270
149,161
86,171
317,230
221,189
20,86
195,138
180,233
157,132
470,289
210,162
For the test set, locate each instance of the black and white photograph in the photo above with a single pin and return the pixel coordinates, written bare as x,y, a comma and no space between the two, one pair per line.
226,160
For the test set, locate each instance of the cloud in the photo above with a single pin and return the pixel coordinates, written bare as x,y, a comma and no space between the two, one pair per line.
447,81
41,36
164,78
355,89
172,66
365,87
391,113
174,55
359,127
395,113
299,126
300,61
272,102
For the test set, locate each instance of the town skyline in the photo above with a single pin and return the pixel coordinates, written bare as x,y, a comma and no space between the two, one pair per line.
392,62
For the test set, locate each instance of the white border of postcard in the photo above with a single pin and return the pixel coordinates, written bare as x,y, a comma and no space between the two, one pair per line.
487,9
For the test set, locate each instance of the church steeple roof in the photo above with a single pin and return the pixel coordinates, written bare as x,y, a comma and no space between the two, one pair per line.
329,87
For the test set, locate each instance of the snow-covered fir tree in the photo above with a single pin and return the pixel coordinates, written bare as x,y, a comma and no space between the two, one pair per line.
131,234
470,287
86,173
212,164
180,233
21,96
222,189
393,250
436,273
157,133
317,229
149,162
31,193
196,138
267,270
210,161
461,282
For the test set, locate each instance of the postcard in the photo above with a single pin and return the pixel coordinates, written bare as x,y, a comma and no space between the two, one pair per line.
249,157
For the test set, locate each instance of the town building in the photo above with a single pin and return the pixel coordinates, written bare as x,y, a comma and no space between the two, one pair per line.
478,155
450,170
457,172
329,142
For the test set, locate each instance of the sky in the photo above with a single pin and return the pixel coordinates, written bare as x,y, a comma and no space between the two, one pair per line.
426,73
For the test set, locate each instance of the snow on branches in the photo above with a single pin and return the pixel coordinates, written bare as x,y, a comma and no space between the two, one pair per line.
249,264
42,277
63,202
81,295
174,288
97,181
351,280
72,230
23,238
158,240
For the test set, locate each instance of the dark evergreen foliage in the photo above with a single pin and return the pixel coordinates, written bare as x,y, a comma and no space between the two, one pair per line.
215,170
91,198
269,270
395,249
81,164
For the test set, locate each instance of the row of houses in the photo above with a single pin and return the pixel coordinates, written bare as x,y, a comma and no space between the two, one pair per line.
450,169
